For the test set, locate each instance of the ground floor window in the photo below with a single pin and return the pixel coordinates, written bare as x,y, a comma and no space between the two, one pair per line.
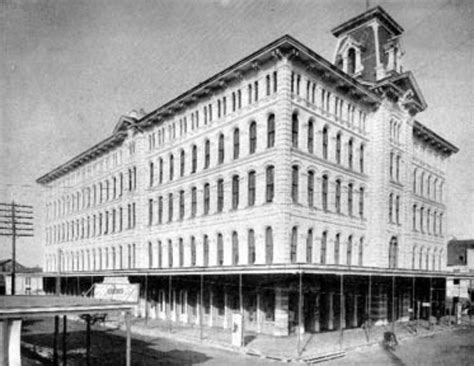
267,301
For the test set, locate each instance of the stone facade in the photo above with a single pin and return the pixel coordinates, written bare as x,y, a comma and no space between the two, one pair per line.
280,160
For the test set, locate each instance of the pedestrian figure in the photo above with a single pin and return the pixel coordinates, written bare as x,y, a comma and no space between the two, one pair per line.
390,340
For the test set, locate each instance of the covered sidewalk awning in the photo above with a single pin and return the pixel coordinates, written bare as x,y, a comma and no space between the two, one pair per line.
13,309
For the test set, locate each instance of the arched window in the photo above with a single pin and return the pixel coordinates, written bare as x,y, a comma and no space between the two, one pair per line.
349,251
338,196
235,248
251,188
428,187
221,149
206,195
170,207
207,154
193,201
160,254
361,252
235,192
220,195
309,246
293,244
390,208
251,246
420,259
325,142
268,245
181,204
181,252
393,253
311,188
152,170
294,130
150,255
391,164
428,223
338,148
413,257
422,183
310,136
220,250
325,183
194,159
351,61
414,180
270,185
271,130
361,201
350,198
337,248
414,217
397,170
182,163
236,143
350,153
253,137
361,158
171,167
205,250
170,253
294,184
422,210
193,251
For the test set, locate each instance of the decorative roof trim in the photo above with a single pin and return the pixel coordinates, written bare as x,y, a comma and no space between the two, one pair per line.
434,139
376,12
81,159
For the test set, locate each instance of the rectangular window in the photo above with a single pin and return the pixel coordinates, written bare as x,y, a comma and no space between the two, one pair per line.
206,198
275,82
268,86
294,184
150,211
160,210
311,189
256,90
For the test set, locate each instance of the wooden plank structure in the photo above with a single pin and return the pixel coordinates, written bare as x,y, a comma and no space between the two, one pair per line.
13,309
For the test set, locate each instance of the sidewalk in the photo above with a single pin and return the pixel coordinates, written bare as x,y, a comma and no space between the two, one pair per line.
313,347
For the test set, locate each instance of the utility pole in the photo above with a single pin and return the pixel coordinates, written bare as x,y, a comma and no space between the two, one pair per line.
15,221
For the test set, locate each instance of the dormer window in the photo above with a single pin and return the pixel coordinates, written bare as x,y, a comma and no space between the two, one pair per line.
351,61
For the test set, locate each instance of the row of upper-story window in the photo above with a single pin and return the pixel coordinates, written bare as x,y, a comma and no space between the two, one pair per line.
156,207
96,194
308,253
94,225
427,185
115,257
427,220
90,171
191,122
329,103
436,256
427,258
157,174
325,146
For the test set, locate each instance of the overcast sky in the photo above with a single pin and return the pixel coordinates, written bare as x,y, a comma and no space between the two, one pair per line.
70,69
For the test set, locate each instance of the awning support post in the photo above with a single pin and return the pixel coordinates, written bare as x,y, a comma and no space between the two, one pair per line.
169,303
201,295
55,341
88,340
369,309
241,306
393,304
64,340
300,310
430,312
341,308
128,350
146,299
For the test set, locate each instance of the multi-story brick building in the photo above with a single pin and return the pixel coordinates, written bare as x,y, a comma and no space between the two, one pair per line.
309,185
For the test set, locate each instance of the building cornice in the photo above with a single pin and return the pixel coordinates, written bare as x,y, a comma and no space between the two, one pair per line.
437,142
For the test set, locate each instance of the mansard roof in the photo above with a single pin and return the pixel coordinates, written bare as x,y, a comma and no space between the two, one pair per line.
377,13
436,141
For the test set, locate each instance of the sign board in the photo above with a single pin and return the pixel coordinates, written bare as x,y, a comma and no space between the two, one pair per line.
237,331
425,304
128,292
